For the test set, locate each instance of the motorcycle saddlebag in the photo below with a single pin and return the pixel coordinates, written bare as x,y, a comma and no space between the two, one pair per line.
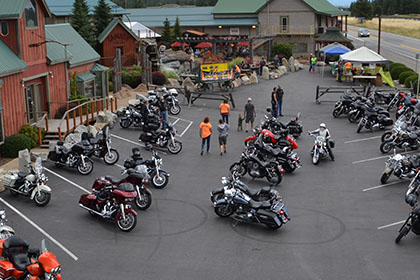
268,217
332,143
146,137
88,200
387,121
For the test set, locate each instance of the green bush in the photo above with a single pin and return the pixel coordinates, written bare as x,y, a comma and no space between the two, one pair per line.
14,143
32,132
395,72
111,86
393,65
158,78
405,75
170,74
236,61
131,77
413,78
283,49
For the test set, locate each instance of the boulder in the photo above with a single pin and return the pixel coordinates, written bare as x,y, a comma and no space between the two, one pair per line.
298,65
265,73
173,64
118,95
170,55
253,78
284,62
141,88
140,97
292,64
111,118
173,82
188,83
246,80
235,84
238,81
274,76
283,70
24,160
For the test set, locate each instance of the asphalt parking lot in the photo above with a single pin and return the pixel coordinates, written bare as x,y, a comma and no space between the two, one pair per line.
342,218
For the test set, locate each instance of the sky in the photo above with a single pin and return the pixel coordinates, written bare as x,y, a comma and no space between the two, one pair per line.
341,2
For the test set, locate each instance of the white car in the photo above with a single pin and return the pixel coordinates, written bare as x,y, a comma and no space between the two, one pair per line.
363,32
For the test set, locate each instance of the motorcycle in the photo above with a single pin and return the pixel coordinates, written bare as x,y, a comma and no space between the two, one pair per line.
345,105
293,127
280,140
102,148
257,168
319,150
173,103
164,138
5,230
75,157
33,184
235,202
285,157
24,263
403,139
360,106
160,178
373,120
401,166
412,223
132,117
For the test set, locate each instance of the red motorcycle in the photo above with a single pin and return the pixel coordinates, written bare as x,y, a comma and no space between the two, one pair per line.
269,137
111,201
22,263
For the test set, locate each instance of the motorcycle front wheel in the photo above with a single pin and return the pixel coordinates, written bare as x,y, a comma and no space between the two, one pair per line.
238,167
174,148
315,158
87,169
385,147
274,176
160,182
145,202
354,117
337,112
386,136
385,176
224,210
125,123
359,127
111,157
42,198
175,109
402,233
129,223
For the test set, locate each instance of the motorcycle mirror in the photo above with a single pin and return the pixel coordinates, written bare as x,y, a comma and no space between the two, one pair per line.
149,147
43,246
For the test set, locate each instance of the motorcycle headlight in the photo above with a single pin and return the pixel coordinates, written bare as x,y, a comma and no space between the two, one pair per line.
225,181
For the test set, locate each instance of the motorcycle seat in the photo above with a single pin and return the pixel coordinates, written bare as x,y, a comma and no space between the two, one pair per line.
253,192
411,128
413,135
93,141
113,180
16,249
22,174
259,205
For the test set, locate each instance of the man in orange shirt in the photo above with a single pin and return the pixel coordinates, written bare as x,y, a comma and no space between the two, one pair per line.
225,111
205,133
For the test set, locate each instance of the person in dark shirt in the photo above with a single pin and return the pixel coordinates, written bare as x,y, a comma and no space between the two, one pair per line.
250,114
163,108
280,94
274,103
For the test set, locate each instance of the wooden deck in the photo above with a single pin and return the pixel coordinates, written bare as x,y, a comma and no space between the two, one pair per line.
54,124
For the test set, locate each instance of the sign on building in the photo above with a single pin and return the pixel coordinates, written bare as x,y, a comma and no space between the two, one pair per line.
234,31
216,72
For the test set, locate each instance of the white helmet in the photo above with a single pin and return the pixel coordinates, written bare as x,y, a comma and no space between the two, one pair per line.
322,125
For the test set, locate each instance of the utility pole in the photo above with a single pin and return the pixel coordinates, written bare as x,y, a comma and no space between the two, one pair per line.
379,35
418,72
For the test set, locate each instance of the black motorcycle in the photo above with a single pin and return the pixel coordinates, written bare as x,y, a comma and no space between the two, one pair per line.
163,138
102,147
293,127
75,157
131,117
360,106
403,139
373,120
257,168
235,202
285,157
402,166
412,223
345,105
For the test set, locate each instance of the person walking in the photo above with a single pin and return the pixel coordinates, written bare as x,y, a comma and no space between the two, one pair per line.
205,133
163,107
223,130
250,114
274,102
280,94
313,64
225,111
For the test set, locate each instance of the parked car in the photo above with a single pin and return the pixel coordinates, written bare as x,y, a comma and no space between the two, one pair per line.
363,32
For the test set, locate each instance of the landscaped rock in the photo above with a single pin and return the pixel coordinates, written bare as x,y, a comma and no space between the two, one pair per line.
235,84
101,117
238,81
298,65
292,64
284,62
253,78
265,73
141,88
170,55
111,118
187,82
24,160
173,82
246,80
173,64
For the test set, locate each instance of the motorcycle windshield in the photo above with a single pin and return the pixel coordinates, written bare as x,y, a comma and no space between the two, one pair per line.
38,166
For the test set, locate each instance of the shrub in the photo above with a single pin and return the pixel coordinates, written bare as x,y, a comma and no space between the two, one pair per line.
236,61
111,86
131,77
395,72
393,65
284,49
170,74
412,79
14,143
158,78
32,132
73,84
405,75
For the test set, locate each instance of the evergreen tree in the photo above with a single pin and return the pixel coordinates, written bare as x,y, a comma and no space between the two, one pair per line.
80,21
102,17
139,4
201,3
166,32
177,29
362,8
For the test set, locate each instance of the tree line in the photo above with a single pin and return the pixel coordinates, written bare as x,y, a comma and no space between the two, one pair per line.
127,4
368,9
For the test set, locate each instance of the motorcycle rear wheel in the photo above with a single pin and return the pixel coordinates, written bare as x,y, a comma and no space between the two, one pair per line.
87,169
145,202
125,123
385,147
129,223
224,210
112,157
174,148
175,110
402,233
42,198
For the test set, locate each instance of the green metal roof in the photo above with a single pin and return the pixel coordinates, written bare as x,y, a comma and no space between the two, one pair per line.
10,63
332,34
87,76
14,8
78,49
325,7
65,7
98,68
111,27
239,6
188,16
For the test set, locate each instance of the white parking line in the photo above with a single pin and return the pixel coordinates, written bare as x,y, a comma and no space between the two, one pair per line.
120,166
177,120
61,246
375,158
186,129
390,225
67,180
363,139
381,186
132,142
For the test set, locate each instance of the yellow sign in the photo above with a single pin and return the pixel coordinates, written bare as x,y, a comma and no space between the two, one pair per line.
215,67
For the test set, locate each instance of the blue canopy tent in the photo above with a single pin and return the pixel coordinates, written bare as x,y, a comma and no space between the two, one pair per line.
335,50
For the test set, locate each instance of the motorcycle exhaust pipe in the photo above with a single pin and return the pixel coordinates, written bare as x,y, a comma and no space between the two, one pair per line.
17,191
87,208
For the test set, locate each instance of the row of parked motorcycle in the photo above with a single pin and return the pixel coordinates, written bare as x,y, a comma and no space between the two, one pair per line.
20,262
404,135
268,153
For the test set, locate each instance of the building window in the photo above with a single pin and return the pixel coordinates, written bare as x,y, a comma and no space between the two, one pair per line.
90,88
284,23
4,28
31,14
121,50
1,119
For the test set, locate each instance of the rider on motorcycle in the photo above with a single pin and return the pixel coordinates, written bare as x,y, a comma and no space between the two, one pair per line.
324,132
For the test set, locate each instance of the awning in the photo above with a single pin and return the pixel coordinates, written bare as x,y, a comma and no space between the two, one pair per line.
244,44
204,45
198,33
363,55
85,77
98,68
178,45
337,50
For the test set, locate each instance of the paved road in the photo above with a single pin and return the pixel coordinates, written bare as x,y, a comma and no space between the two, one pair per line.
394,47
332,235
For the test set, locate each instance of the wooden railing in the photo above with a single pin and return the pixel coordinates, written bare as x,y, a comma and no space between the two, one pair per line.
95,104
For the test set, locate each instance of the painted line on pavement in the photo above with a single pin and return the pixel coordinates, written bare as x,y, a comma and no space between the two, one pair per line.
391,225
177,120
381,186
61,246
356,38
186,129
362,139
132,142
411,48
67,180
120,166
375,158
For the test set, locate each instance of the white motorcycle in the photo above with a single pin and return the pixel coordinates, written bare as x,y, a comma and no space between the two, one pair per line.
5,230
319,150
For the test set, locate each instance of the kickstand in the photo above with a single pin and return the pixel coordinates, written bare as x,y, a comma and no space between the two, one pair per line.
235,223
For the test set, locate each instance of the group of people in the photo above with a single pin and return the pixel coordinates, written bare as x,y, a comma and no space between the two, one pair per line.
277,101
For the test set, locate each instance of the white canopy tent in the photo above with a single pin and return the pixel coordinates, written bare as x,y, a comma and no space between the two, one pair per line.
363,55
141,31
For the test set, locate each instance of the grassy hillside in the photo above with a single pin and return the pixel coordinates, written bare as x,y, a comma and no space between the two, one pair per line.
405,27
